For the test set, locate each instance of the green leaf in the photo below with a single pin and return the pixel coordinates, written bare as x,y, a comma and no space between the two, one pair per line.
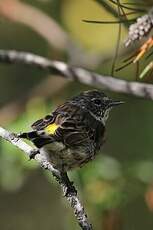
146,70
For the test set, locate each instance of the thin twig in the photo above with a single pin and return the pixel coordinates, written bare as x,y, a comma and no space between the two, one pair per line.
67,187
118,39
78,74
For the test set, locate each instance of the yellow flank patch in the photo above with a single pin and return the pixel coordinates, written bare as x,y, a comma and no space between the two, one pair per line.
50,129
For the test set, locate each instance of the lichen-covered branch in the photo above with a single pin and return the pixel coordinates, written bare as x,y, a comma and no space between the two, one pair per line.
78,74
67,186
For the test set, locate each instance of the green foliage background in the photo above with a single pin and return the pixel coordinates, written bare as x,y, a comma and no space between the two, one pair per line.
116,188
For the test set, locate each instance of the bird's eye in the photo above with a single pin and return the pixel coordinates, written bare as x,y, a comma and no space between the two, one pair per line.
97,101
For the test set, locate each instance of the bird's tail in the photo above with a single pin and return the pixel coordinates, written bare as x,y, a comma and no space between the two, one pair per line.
29,135
37,137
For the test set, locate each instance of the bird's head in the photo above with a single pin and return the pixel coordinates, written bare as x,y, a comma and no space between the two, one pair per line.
97,104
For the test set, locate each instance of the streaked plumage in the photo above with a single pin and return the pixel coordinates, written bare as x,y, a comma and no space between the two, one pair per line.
74,132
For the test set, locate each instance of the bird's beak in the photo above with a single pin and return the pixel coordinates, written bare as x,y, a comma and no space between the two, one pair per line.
115,103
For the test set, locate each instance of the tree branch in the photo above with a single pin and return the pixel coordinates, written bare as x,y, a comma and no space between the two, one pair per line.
68,189
78,74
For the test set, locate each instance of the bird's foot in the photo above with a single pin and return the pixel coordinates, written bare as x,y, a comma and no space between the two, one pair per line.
33,153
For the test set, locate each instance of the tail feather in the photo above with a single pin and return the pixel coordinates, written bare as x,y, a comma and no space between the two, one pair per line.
29,135
37,137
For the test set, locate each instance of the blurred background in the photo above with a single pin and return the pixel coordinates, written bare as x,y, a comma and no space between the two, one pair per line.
117,187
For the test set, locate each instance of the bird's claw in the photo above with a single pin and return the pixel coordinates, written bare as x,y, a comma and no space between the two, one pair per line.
33,153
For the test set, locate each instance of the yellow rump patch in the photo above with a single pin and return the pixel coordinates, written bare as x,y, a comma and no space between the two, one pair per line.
50,129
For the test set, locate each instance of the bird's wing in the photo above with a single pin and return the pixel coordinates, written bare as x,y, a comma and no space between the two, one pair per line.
67,125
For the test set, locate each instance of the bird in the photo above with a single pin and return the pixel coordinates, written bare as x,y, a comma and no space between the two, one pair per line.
74,132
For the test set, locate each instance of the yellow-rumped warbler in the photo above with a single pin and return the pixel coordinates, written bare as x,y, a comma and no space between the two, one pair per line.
74,132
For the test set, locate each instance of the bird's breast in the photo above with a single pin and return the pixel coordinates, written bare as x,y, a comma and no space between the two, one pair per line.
64,158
